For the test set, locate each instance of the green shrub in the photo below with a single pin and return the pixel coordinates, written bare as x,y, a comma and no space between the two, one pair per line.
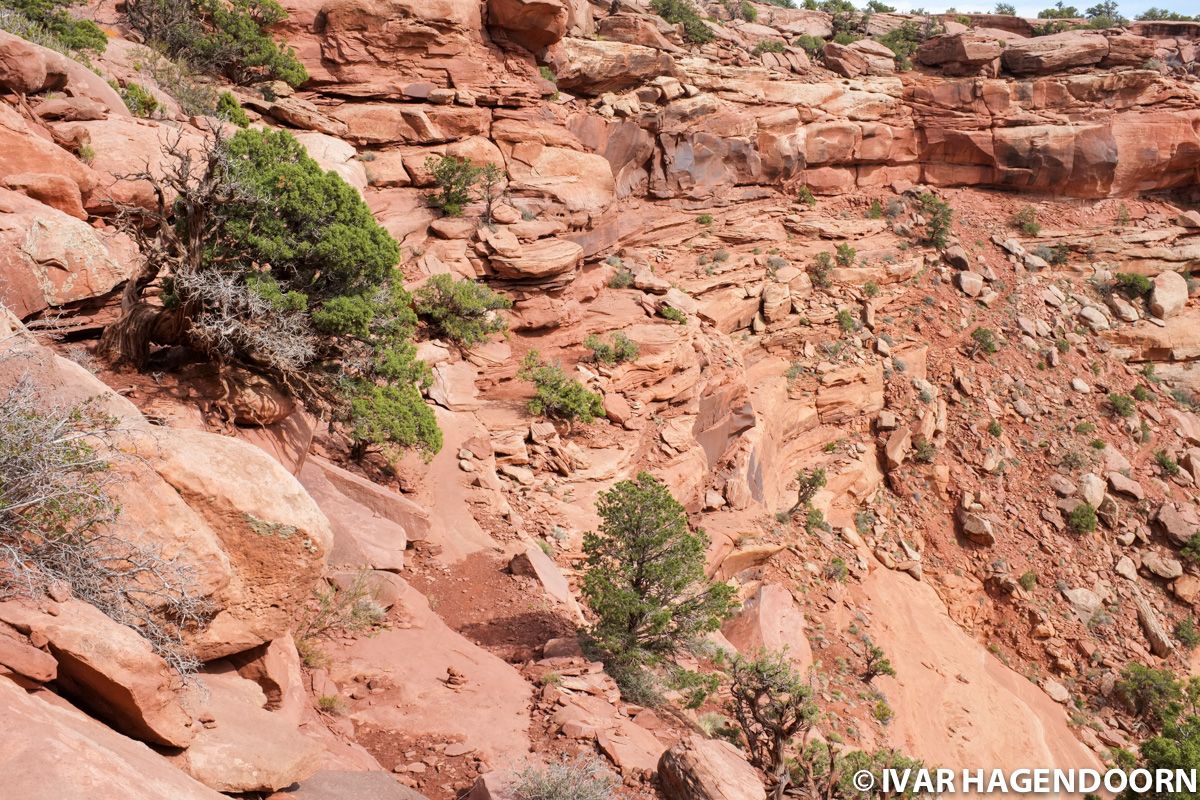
769,46
620,349
49,23
741,9
780,3
261,200
644,575
1085,428
923,451
1133,285
1028,581
673,314
1191,549
704,219
1055,255
870,289
455,177
622,278
939,216
1153,695
1026,221
1168,465
983,340
556,394
1187,633
876,662
836,570
1007,9
876,210
1121,404
583,778
547,74
903,42
1141,393
223,37
845,255
138,100
462,311
846,321
813,45
995,429
820,270
1082,518
682,12
228,108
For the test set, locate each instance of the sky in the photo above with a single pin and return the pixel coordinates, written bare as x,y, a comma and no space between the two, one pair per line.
1130,8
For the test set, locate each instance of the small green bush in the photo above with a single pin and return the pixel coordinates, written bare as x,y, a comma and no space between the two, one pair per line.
845,255
391,416
1153,695
462,311
228,108
769,46
622,278
836,570
673,314
138,100
704,219
846,321
820,270
556,394
222,37
983,340
1190,552
871,289
1028,581
48,22
1082,518
1133,285
923,451
813,45
620,349
584,778
455,177
939,216
1026,221
1168,465
1121,404
1141,393
682,12
995,429
806,197
875,211
1187,633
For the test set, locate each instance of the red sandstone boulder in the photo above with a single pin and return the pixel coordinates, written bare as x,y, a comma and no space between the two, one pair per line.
595,67
110,669
533,24
959,54
47,257
242,747
1045,54
708,769
50,751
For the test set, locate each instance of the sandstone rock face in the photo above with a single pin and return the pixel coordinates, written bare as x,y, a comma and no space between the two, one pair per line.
596,67
771,620
708,769
1170,294
959,54
534,24
342,785
110,669
49,752
49,258
244,748
1059,51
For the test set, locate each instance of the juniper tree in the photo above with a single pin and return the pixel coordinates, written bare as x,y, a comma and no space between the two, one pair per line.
644,576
